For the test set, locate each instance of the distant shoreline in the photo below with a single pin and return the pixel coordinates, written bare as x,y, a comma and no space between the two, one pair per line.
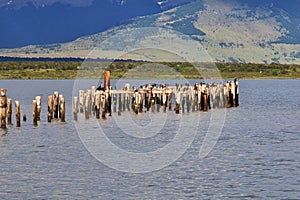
73,68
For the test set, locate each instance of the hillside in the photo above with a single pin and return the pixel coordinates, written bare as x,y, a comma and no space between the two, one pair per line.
230,31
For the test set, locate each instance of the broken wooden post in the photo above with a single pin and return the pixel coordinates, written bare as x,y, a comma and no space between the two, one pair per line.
90,102
115,102
24,118
56,104
158,102
93,93
75,108
106,80
3,107
236,91
87,105
97,103
50,108
62,109
81,101
103,100
120,103
164,100
205,98
227,95
34,112
177,100
170,96
9,111
38,105
183,102
18,113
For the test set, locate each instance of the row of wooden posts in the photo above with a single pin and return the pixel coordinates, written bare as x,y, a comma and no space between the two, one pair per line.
6,110
200,97
56,109
105,101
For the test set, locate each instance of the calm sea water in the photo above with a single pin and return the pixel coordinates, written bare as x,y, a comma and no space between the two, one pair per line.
256,156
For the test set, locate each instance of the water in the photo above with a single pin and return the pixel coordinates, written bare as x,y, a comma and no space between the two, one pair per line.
257,155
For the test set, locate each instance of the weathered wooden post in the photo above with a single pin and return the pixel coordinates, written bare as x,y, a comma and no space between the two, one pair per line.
75,108
119,103
56,104
93,93
106,80
177,100
3,107
141,99
199,96
62,109
9,111
236,102
123,100
38,105
188,102
87,106
108,94
81,100
115,102
18,113
136,102
97,104
227,95
205,98
164,100
152,102
128,100
34,112
158,102
24,118
183,102
103,100
170,98
221,93
50,108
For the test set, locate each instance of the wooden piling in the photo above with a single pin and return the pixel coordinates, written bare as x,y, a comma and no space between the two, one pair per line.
236,102
3,108
56,104
227,95
177,100
81,101
62,109
24,118
93,93
75,108
50,108
106,80
87,106
9,111
103,100
34,113
38,105
183,102
97,104
164,101
18,113
205,98
170,98
114,102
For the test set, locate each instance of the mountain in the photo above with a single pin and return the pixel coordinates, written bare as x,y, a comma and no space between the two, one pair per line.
36,22
230,30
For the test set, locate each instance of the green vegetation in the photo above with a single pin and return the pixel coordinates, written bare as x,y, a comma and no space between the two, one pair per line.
72,70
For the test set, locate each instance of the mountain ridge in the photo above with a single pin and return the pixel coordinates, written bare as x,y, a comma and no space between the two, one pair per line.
229,31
